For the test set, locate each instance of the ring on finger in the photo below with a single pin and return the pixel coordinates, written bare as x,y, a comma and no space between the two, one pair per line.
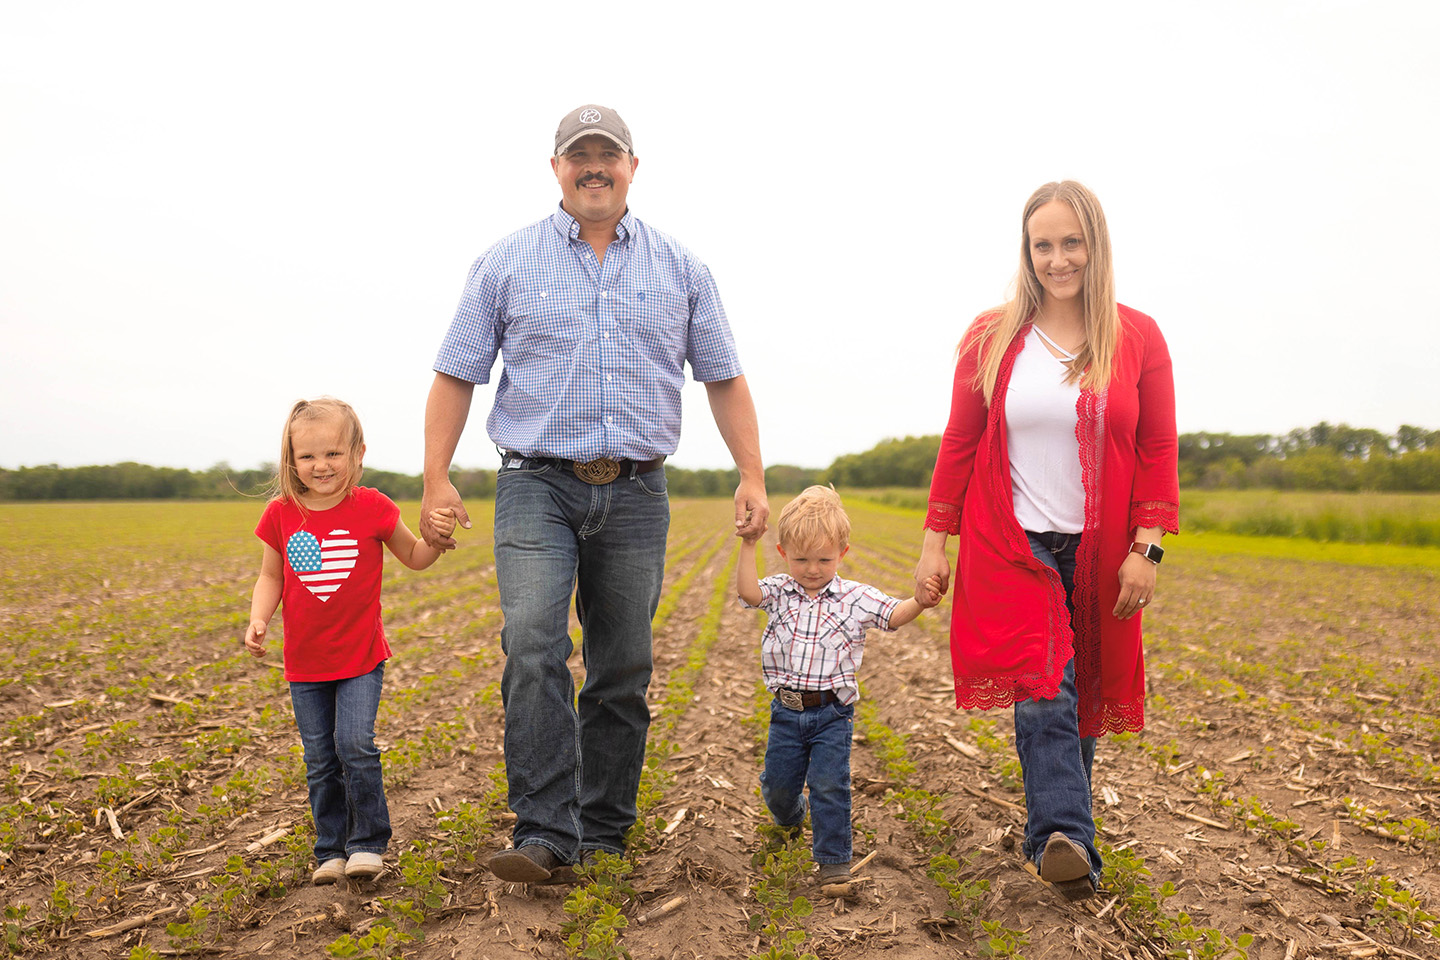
1142,601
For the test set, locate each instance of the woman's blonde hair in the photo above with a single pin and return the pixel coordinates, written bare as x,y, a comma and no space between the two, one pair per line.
287,485
992,333
814,518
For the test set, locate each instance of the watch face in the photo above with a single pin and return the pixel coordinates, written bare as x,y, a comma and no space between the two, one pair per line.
1150,551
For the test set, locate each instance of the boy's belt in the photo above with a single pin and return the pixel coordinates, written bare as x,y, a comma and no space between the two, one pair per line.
804,699
599,471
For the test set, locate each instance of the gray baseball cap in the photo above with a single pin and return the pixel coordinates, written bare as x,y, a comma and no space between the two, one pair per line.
592,118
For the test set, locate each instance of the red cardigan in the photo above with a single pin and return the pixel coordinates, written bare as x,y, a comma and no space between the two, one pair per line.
1010,633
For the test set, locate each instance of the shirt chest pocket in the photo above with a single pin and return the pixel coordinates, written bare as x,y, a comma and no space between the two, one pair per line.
655,318
831,629
544,322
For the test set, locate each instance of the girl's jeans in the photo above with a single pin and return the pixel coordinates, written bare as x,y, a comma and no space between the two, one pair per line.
1055,759
342,764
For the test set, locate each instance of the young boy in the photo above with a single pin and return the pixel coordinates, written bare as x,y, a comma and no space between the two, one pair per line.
810,651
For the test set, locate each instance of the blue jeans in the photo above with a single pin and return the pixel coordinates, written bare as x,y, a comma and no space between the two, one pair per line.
811,746
342,764
573,775
1055,759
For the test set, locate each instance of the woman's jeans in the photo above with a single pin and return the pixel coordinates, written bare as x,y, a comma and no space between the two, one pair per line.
811,746
342,764
573,775
1055,759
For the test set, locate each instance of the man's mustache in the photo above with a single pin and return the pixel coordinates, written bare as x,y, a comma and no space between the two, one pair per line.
608,181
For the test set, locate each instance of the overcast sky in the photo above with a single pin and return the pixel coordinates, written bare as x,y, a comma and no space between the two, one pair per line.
210,210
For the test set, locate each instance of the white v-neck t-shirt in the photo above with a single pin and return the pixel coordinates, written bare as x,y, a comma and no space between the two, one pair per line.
1040,421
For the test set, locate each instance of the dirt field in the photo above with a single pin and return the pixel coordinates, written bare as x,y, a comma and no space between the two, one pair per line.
1284,799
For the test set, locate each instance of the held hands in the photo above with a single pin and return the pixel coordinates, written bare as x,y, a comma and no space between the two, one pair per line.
437,500
1137,586
442,521
750,535
255,638
932,577
928,592
751,510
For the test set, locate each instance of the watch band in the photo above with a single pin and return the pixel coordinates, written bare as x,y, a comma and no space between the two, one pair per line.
1150,551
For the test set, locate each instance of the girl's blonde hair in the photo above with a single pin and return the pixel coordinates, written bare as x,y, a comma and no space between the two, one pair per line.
992,333
287,485
814,518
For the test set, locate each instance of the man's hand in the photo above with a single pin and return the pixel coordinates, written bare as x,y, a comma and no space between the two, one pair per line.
438,500
752,510
255,638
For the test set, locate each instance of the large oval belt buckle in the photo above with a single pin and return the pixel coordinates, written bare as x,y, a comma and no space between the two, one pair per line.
598,471
793,699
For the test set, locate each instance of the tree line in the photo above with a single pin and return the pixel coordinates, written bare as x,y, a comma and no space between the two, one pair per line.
1322,457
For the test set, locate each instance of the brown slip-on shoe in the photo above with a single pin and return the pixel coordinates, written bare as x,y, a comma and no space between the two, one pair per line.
532,863
833,873
1066,866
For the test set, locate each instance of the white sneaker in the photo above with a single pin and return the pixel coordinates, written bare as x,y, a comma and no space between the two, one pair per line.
328,872
364,866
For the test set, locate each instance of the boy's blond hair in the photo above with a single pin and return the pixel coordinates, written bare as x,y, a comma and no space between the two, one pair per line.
814,518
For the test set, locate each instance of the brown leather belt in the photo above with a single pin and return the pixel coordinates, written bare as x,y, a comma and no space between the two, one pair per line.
804,699
597,472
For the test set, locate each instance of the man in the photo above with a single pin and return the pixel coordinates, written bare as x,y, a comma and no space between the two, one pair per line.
594,314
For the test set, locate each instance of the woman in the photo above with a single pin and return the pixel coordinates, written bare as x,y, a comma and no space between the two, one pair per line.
1057,472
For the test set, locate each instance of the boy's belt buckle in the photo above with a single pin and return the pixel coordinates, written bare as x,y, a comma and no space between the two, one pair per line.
597,472
793,699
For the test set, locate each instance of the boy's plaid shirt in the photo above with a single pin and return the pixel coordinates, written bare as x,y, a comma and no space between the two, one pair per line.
816,643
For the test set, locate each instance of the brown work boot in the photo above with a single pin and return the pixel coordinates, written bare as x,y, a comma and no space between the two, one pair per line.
1066,866
531,863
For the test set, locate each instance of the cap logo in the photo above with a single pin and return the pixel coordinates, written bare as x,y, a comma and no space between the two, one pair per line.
590,116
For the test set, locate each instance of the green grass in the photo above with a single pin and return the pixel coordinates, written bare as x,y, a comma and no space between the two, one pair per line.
1397,518
1410,519
1293,548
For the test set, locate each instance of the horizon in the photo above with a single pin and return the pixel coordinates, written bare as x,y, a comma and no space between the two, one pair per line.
673,462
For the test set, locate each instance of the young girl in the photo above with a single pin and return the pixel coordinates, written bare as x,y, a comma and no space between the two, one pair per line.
322,537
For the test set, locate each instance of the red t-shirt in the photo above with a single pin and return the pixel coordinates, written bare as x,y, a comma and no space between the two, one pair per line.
331,598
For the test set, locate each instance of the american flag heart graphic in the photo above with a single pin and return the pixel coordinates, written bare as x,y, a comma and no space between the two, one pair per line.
322,565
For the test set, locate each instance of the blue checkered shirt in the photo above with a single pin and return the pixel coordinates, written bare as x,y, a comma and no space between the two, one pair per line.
593,354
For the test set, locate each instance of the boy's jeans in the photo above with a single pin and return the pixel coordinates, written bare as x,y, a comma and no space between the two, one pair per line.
573,776
342,764
811,746
1055,759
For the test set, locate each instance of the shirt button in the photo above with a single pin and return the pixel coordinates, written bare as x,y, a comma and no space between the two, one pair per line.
608,378
606,334
604,293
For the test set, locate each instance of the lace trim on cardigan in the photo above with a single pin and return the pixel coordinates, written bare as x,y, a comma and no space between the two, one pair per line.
1115,717
1155,513
944,517
1090,433
989,693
